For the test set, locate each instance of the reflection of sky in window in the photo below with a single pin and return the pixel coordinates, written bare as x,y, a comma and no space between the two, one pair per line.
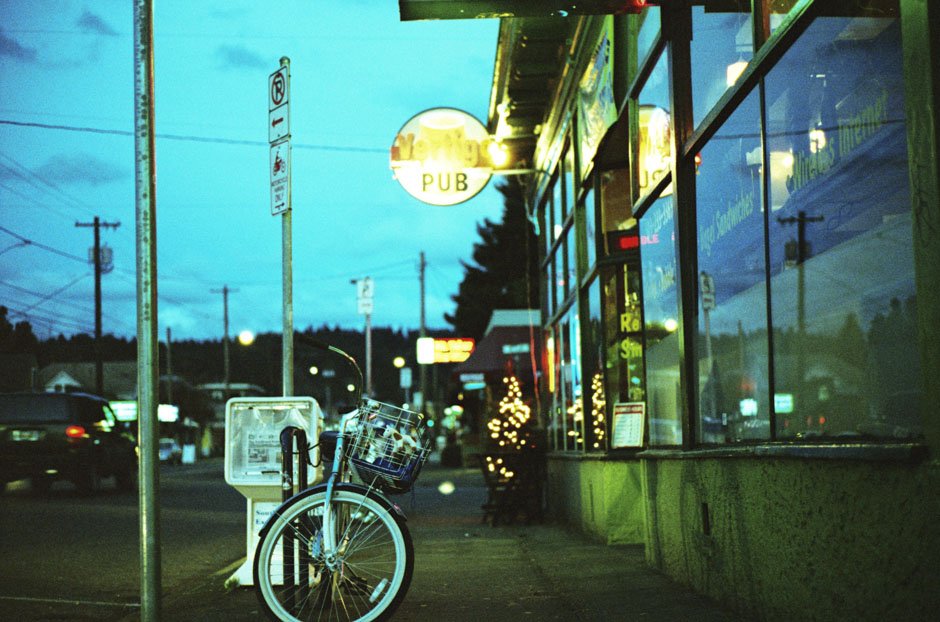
658,249
719,41
836,108
730,219
656,90
648,31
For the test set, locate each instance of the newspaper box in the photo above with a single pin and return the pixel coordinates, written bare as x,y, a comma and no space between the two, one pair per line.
253,428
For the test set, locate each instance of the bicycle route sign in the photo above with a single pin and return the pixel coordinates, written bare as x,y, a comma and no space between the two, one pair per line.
279,138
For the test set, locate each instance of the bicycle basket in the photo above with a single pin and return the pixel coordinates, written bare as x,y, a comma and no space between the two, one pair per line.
387,446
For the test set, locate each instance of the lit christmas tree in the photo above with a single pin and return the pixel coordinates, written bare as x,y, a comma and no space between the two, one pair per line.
506,428
598,404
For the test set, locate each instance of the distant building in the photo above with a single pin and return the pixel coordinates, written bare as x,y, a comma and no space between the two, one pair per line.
119,379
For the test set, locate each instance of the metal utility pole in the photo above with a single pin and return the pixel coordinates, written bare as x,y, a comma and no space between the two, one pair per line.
147,342
422,369
225,352
97,259
169,369
365,302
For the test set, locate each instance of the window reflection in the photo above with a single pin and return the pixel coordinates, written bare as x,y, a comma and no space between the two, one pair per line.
733,381
722,44
661,315
648,31
845,346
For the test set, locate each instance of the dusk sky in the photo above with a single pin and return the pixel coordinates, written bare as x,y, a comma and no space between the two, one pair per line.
357,75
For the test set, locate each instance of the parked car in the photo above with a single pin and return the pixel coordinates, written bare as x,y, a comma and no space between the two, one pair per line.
72,436
170,451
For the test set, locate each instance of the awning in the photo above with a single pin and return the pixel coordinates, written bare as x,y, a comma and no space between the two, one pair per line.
502,346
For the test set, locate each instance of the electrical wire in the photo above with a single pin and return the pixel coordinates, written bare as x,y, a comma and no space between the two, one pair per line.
192,138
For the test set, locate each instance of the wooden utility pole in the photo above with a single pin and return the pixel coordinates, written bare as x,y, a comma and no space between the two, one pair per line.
225,354
96,258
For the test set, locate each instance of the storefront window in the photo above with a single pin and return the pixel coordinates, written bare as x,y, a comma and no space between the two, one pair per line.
616,210
574,404
843,299
550,286
590,226
733,382
654,143
555,349
625,377
595,402
558,211
571,276
722,44
648,31
661,319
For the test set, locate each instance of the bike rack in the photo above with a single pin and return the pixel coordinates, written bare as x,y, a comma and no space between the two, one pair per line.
292,437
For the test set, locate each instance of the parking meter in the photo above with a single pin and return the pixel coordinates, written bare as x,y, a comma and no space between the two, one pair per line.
253,427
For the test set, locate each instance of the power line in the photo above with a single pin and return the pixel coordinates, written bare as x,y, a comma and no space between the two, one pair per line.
31,175
192,138
42,246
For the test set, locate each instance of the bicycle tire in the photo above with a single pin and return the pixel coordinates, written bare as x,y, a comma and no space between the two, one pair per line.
375,568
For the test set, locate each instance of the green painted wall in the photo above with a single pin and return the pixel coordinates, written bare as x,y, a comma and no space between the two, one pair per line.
800,539
602,498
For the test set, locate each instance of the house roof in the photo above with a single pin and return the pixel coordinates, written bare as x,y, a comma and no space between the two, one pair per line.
119,378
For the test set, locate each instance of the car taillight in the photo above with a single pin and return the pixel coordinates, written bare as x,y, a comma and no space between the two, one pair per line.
75,431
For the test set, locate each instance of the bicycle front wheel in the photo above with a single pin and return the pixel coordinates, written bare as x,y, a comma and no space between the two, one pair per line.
364,580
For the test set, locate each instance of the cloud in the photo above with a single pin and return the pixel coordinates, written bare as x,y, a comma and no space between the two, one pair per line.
10,47
91,23
237,57
79,168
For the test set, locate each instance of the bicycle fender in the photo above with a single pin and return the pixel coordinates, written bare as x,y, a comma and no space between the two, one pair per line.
359,488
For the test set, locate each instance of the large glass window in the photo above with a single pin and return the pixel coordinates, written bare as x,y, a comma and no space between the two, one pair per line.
842,290
722,44
654,143
625,376
574,413
590,226
661,317
733,382
595,401
649,29
558,211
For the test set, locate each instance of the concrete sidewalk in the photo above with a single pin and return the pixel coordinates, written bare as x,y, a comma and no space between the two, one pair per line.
469,571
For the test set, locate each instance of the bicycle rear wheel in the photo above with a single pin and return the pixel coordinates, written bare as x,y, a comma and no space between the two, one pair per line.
365,582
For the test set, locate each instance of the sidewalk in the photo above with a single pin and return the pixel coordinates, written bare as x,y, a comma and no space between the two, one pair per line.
469,571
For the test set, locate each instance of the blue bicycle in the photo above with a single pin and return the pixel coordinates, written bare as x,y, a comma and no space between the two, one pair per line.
341,550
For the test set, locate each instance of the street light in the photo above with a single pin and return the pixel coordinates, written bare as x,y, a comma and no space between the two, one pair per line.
246,337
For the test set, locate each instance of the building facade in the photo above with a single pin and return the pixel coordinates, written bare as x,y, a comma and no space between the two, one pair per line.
738,210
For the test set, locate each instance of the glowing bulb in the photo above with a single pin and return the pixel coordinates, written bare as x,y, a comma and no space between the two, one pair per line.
499,154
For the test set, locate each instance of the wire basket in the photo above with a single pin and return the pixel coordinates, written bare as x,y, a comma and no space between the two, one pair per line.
387,446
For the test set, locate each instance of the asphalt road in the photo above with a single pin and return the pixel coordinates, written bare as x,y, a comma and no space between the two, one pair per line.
68,557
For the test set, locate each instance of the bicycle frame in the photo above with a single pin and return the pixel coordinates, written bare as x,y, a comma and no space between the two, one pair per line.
338,471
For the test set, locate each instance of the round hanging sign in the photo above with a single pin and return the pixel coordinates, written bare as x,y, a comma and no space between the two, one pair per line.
440,156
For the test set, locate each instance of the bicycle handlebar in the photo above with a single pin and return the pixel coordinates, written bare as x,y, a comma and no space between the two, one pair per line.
322,345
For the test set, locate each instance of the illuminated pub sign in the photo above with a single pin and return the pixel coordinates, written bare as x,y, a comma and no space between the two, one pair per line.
441,156
449,350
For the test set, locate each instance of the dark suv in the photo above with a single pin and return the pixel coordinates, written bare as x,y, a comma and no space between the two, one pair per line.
72,436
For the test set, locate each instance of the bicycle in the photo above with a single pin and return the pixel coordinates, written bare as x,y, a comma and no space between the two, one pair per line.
341,550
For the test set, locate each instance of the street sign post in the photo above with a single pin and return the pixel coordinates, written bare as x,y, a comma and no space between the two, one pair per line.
279,138
279,169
